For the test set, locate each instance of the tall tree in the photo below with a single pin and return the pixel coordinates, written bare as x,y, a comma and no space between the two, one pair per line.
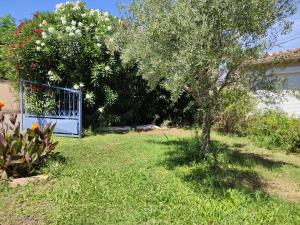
202,46
7,26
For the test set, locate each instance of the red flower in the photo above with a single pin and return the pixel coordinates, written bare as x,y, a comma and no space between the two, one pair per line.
32,66
13,46
38,31
38,88
20,45
35,88
19,28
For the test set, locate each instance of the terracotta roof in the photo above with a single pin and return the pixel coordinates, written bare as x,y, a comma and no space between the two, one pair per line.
281,56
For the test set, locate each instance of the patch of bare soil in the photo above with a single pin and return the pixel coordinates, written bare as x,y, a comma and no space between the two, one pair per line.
284,189
169,131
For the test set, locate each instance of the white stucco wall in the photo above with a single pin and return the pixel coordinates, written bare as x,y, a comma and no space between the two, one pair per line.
287,102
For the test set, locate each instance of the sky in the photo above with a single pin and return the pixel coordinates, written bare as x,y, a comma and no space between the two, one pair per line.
22,9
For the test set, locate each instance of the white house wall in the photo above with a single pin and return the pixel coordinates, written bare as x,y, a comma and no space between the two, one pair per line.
287,101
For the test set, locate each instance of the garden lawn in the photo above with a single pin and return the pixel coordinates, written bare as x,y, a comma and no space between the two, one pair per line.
152,178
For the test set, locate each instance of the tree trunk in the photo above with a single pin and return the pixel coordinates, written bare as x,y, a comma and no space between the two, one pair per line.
205,136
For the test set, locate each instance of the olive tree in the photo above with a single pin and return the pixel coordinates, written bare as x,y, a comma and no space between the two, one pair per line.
202,46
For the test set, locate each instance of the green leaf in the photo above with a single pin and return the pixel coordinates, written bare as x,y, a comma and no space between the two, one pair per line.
25,139
30,148
34,157
52,146
2,162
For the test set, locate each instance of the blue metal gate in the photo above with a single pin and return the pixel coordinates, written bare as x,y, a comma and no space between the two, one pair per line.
42,103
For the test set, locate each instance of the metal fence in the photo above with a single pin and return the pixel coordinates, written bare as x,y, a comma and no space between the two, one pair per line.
43,103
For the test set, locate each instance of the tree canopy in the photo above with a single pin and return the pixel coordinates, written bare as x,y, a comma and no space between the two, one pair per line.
7,26
202,46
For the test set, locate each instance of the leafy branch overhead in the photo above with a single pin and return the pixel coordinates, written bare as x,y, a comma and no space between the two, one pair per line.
202,47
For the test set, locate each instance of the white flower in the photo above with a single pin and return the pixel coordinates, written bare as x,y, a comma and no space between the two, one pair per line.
91,25
40,25
92,12
99,45
73,23
76,86
76,7
62,18
89,95
109,28
81,84
107,68
73,28
87,28
78,32
59,6
43,44
51,29
101,109
44,22
106,14
44,35
68,29
50,73
80,24
38,48
71,34
38,42
55,78
106,19
83,15
63,22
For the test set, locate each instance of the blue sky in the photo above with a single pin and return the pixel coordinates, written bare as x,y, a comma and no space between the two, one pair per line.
21,9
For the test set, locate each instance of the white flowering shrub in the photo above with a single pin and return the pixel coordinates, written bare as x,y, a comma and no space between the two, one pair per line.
68,47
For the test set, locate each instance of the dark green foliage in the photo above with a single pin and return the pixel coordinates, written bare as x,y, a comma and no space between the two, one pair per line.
128,100
236,105
275,130
7,26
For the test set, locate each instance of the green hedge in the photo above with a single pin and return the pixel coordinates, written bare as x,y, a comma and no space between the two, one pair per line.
275,130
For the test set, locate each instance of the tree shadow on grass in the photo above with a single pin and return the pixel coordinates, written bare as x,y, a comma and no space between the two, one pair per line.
227,167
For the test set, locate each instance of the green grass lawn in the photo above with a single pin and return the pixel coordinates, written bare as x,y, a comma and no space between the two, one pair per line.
152,178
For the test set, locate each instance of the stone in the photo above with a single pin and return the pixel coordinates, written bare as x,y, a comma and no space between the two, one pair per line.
26,180
147,127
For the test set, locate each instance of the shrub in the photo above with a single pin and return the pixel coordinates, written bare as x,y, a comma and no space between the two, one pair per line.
71,47
235,107
275,130
21,154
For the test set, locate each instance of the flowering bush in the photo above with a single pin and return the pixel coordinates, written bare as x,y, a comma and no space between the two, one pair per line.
70,47
21,153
